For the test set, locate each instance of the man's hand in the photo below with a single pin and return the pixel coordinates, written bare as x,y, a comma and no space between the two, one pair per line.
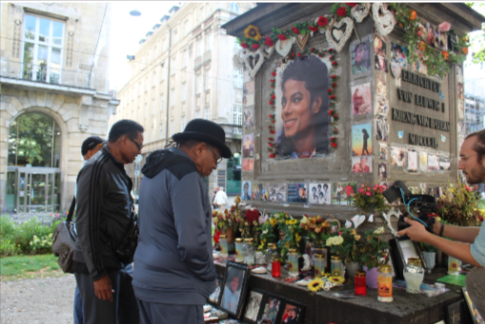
102,288
416,232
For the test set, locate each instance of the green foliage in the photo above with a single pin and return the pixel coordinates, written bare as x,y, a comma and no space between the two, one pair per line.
459,205
371,251
369,199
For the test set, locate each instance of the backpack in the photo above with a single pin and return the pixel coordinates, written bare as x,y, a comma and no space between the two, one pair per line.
64,238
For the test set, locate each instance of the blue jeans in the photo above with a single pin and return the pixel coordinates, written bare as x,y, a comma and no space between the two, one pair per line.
78,307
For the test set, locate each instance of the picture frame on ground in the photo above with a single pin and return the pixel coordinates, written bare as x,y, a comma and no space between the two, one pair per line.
472,310
253,306
292,313
236,283
271,309
215,298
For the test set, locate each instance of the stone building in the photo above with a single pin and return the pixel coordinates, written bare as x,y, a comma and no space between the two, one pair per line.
183,69
474,114
54,93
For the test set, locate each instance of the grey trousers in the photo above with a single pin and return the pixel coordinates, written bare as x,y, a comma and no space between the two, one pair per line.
475,285
157,313
122,310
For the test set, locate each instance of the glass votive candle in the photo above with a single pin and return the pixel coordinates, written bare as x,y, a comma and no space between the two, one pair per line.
384,283
293,262
275,267
249,251
239,250
336,266
320,265
360,285
223,246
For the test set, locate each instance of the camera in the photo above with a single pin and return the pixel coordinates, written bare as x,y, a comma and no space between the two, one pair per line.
422,207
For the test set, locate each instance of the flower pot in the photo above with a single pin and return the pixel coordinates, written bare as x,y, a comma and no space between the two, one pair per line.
429,260
371,277
351,268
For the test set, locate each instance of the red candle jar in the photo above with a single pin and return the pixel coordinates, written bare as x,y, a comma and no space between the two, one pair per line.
360,283
276,268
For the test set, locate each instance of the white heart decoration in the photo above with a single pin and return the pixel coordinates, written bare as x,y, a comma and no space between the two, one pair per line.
385,21
253,61
359,12
388,216
348,224
396,69
358,220
334,33
371,218
267,51
284,47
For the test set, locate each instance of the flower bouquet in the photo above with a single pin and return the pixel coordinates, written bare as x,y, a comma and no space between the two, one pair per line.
367,198
459,206
290,234
268,233
373,251
317,228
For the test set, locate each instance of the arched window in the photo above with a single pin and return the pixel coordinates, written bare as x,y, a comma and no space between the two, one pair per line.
234,7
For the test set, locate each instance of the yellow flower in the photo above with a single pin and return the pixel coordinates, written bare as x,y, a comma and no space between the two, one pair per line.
273,221
316,284
304,220
353,232
380,230
357,237
337,240
337,280
237,200
326,275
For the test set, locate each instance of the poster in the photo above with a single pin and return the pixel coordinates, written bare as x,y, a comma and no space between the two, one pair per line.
433,162
248,120
382,128
246,190
381,84
320,193
399,55
382,170
412,161
259,192
383,151
248,164
361,99
248,145
380,54
248,87
342,193
461,109
445,164
381,105
360,58
461,93
301,112
398,156
423,161
459,73
362,139
362,164
431,34
298,193
277,192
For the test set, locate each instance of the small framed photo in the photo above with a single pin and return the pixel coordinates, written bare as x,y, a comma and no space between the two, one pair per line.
474,314
270,311
236,282
253,305
292,313
215,298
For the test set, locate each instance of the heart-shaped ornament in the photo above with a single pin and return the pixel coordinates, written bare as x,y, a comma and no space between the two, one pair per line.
339,33
253,61
359,12
284,47
396,69
301,41
358,220
267,51
383,18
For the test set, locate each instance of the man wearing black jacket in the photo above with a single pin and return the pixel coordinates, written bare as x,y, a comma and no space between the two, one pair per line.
103,219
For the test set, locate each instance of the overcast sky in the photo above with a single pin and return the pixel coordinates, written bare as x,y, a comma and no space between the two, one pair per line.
126,32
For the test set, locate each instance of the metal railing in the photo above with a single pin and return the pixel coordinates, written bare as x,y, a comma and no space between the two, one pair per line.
44,74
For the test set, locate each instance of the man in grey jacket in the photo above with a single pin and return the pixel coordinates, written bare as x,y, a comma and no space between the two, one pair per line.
103,218
174,270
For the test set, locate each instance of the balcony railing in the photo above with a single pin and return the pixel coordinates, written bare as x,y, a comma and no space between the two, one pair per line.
44,74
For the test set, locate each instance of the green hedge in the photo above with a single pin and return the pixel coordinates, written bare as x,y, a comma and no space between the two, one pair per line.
31,237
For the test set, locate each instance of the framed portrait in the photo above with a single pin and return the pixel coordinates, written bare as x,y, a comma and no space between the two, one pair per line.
382,172
412,161
382,128
362,164
383,151
401,250
472,310
301,112
277,192
236,280
362,139
461,93
423,161
271,308
253,305
361,99
342,193
445,163
292,313
433,162
361,58
381,106
298,193
455,313
248,146
380,53
248,164
248,117
399,55
398,156
246,190
320,193
215,298
260,192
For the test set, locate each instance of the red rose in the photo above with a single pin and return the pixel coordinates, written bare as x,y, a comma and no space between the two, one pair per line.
330,112
273,73
273,97
330,50
270,144
332,97
322,21
331,57
333,76
335,130
334,63
244,45
271,131
271,155
293,54
299,55
334,84
332,138
282,37
313,29
329,90
334,145
295,30
268,42
271,80
270,102
312,49
351,4
341,12
255,46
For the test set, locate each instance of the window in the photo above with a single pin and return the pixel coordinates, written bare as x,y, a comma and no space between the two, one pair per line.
198,85
184,91
138,113
171,128
207,10
146,84
175,36
154,122
162,72
238,78
186,27
182,123
201,14
164,44
154,80
185,58
199,47
154,52
161,131
153,106
197,114
206,80
206,113
139,88
172,99
42,52
237,115
146,110
174,65
234,7
208,42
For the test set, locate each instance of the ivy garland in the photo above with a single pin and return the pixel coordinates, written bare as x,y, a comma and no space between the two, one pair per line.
332,105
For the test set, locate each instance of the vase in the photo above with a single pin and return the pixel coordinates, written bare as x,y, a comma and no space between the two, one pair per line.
429,260
371,277
319,250
351,267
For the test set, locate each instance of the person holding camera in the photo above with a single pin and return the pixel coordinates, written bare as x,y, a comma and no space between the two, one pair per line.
468,243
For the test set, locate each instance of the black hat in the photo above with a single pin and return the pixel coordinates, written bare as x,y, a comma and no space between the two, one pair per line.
90,143
205,131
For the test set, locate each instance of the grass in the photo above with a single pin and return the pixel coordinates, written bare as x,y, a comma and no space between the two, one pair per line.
29,267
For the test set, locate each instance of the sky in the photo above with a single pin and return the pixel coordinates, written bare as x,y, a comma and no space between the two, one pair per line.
126,32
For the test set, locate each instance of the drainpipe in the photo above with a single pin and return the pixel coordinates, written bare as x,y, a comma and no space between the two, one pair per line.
169,60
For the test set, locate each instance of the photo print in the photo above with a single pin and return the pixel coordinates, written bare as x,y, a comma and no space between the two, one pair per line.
248,87
277,192
248,100
271,309
381,106
259,192
380,53
382,170
320,193
461,126
461,109
292,314
342,193
431,34
248,118
459,73
247,164
412,161
398,156
253,306
248,145
362,139
214,298
298,193
445,163
383,151
461,93
399,55
423,161
382,128
422,67
235,285
361,58
433,162
381,84
443,41
301,108
246,190
361,99
362,164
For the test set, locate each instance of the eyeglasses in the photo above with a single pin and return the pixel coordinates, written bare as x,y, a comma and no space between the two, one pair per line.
138,146
219,158
464,158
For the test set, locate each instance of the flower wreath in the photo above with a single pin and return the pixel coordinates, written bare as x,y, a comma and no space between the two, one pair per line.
332,105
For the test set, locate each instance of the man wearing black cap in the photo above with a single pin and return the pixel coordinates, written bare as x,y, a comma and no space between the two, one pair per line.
174,270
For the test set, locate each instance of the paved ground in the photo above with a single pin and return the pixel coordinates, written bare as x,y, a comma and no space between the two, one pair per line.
37,301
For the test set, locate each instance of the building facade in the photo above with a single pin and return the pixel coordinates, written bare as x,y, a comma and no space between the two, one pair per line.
474,113
183,70
54,93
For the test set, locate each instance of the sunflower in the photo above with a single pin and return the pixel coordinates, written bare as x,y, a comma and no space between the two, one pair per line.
326,275
316,284
336,272
454,265
336,279
252,32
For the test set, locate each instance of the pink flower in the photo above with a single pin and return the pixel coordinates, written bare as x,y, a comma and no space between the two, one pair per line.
363,186
444,26
368,193
468,188
220,217
339,233
228,216
361,190
368,188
